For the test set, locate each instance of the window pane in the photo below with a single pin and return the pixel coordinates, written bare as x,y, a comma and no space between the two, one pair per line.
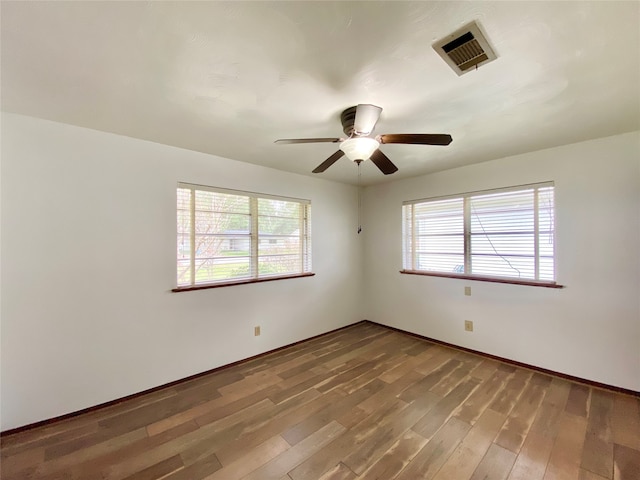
546,245
184,221
214,246
502,212
444,244
546,233
440,217
218,269
278,245
279,237
216,222
279,265
236,246
516,244
407,235
184,272
440,263
503,234
547,268
184,247
439,235
221,202
184,236
505,266
278,208
278,225
184,199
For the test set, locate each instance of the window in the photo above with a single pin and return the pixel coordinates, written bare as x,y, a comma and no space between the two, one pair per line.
227,236
498,233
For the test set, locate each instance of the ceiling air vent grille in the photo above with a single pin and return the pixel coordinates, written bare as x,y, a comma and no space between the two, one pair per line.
465,49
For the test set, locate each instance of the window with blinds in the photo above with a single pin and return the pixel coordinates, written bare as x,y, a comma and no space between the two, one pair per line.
499,233
227,235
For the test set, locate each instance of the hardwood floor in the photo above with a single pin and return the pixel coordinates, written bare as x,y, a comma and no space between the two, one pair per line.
365,402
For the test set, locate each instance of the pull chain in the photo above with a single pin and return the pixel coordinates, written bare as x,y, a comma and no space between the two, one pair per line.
359,199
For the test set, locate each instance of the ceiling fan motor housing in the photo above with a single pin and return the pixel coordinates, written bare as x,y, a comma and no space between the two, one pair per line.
348,118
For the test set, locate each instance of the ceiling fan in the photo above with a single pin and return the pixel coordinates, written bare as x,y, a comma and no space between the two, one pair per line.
358,123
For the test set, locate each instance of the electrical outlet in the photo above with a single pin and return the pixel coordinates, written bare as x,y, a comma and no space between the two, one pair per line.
256,331
468,325
467,291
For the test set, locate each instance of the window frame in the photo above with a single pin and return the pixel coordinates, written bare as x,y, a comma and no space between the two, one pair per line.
409,251
254,237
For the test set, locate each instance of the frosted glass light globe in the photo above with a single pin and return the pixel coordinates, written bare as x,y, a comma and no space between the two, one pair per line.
359,148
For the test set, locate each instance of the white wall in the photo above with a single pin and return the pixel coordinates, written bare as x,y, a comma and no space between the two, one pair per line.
591,329
88,262
87,247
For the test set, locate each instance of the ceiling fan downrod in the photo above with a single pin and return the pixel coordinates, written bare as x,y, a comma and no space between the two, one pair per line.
358,162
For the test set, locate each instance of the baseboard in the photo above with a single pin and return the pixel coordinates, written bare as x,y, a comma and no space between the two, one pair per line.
565,376
110,403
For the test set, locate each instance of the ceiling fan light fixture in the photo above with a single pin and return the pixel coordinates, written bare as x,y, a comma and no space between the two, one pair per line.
359,148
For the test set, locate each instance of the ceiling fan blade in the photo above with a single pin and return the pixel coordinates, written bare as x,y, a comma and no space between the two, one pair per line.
328,162
366,118
416,138
307,140
381,161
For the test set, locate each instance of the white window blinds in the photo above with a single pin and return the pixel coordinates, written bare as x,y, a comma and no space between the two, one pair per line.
499,233
226,235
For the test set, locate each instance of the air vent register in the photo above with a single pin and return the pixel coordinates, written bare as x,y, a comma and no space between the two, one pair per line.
465,49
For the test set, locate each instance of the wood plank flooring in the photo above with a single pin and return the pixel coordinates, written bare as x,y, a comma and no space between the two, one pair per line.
364,402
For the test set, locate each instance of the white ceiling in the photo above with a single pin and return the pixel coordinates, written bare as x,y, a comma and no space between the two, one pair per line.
229,78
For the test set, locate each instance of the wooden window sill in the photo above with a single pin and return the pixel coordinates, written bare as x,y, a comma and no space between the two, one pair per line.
240,282
512,281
